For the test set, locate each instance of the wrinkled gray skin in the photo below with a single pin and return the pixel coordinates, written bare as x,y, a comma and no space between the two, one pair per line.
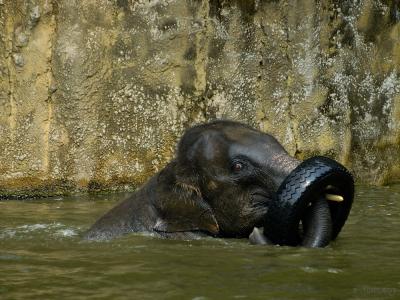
220,183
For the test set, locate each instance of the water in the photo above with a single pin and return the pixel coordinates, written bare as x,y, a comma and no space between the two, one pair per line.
42,257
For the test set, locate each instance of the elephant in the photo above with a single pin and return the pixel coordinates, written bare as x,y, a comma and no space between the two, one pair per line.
224,177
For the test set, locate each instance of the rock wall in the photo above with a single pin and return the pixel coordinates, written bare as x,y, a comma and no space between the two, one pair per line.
95,94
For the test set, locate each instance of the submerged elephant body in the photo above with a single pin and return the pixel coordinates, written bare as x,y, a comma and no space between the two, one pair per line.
162,206
221,183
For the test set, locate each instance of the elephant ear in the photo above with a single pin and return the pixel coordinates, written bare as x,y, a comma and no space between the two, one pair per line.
181,206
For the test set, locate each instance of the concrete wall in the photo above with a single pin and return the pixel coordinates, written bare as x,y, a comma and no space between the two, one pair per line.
94,94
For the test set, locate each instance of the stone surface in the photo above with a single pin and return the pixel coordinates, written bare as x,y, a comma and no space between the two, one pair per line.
95,94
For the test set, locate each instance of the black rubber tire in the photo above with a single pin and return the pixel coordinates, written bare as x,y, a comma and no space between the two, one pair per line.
303,186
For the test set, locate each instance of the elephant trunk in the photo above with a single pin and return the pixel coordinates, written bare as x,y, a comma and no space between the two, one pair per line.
317,225
280,166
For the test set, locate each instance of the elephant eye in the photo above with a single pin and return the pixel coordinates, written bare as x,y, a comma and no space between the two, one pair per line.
237,166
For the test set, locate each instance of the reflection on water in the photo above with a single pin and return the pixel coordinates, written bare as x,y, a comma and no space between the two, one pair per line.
42,257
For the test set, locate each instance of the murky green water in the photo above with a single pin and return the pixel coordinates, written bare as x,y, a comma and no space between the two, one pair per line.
42,257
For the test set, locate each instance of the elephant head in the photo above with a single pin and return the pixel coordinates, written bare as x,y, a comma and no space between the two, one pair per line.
222,182
236,170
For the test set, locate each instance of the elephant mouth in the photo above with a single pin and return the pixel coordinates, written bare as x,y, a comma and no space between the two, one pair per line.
311,206
260,202
260,197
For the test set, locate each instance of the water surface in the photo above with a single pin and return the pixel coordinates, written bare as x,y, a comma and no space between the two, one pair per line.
43,257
